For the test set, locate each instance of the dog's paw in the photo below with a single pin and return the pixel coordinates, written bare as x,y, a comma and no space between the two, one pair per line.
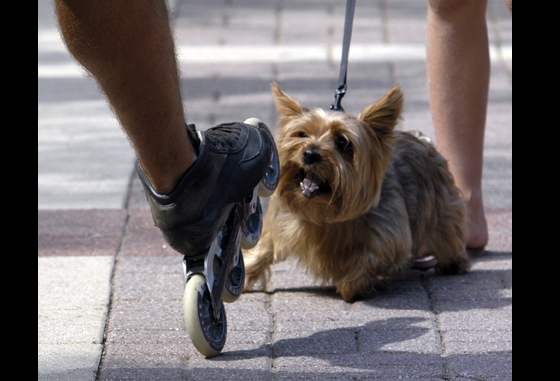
459,266
255,280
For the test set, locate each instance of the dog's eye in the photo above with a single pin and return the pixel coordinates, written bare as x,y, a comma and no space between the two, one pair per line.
302,134
342,144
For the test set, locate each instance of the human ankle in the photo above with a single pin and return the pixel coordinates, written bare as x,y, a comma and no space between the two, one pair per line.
477,227
165,176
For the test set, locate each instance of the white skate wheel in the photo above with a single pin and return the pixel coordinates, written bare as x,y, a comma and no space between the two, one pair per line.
207,333
253,121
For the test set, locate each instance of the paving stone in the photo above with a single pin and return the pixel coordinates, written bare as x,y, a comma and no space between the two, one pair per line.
493,365
230,367
412,340
383,366
74,283
68,362
302,343
143,238
133,361
79,232
83,326
148,286
418,326
147,314
477,319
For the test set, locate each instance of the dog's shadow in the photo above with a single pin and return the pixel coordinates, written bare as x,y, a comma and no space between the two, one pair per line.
487,286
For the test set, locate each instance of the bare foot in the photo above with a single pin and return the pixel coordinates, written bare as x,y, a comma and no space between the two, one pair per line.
477,227
477,233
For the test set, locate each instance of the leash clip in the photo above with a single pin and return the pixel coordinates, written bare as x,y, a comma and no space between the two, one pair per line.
338,95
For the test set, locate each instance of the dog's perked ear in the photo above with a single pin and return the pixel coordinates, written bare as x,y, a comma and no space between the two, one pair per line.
286,105
383,115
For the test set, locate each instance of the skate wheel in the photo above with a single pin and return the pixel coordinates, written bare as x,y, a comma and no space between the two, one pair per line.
269,182
207,333
235,281
253,121
251,231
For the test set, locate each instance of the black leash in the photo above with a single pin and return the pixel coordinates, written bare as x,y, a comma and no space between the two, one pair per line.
341,89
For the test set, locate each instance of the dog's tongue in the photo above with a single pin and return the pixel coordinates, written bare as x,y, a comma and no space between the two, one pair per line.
310,184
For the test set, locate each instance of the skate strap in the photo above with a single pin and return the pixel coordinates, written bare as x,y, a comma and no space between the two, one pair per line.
341,89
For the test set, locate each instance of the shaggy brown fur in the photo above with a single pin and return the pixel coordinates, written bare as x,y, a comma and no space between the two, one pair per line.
357,200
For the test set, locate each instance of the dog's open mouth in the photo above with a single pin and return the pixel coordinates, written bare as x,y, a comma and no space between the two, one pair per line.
312,185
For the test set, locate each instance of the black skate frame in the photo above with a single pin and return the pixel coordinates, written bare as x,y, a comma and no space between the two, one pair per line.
220,261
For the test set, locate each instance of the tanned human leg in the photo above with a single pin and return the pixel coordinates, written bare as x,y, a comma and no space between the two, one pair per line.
128,47
458,67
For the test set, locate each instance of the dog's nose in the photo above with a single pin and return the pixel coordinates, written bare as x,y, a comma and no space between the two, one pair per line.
311,157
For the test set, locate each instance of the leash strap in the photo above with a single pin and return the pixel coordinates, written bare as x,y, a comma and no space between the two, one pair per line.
341,89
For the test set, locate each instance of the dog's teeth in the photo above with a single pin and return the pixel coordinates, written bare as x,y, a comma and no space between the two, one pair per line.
306,192
311,182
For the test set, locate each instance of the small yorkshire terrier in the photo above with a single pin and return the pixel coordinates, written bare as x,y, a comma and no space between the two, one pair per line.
358,201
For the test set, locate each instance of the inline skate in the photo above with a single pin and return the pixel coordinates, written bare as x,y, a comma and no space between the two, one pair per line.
212,215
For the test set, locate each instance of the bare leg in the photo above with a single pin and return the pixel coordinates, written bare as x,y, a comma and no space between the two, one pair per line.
509,4
128,47
458,66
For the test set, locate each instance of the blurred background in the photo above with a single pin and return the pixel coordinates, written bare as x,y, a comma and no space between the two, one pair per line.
229,52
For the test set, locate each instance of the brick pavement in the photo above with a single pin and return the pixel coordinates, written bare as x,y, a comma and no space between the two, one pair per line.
110,291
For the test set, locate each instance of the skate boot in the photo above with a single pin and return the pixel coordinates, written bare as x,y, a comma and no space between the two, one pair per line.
211,215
